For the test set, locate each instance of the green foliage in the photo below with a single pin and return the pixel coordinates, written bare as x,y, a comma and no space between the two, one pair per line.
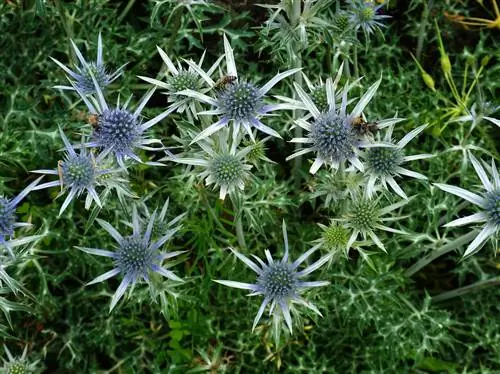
379,315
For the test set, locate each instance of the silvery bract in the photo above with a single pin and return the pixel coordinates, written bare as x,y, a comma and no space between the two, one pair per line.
488,201
223,164
240,102
384,163
331,135
78,172
280,282
119,130
179,79
8,218
137,255
81,79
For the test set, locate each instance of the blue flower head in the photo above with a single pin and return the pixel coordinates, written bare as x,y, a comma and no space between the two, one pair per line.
136,256
8,216
331,136
119,131
79,172
280,282
488,200
82,77
239,102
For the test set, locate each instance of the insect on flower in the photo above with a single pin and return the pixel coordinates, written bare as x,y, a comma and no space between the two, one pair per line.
78,172
241,103
361,127
224,81
93,120
119,130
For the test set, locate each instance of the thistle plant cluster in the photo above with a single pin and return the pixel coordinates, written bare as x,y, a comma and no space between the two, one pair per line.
296,188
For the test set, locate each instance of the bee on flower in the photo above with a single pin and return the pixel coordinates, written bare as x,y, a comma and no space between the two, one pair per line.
331,135
241,102
119,130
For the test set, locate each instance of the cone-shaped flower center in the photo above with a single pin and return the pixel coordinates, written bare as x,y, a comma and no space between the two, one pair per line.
226,169
240,101
84,80
335,236
16,368
78,171
134,257
333,137
364,216
318,96
7,218
257,151
493,207
278,281
367,13
341,22
117,129
183,81
383,161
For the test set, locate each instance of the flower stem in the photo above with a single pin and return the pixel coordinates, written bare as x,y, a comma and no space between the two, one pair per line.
125,11
423,26
239,232
424,261
465,290
176,25
297,61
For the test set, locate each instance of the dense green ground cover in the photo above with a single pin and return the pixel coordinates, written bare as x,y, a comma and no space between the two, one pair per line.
379,315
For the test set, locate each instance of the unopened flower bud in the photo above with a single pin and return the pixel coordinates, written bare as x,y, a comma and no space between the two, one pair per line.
429,82
445,64
485,60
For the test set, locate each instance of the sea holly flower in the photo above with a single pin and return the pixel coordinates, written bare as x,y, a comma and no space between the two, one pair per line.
318,93
239,101
137,255
336,189
79,172
82,77
224,165
18,365
8,218
363,14
331,134
257,152
384,163
488,201
162,225
119,131
334,237
179,79
280,282
478,112
365,216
